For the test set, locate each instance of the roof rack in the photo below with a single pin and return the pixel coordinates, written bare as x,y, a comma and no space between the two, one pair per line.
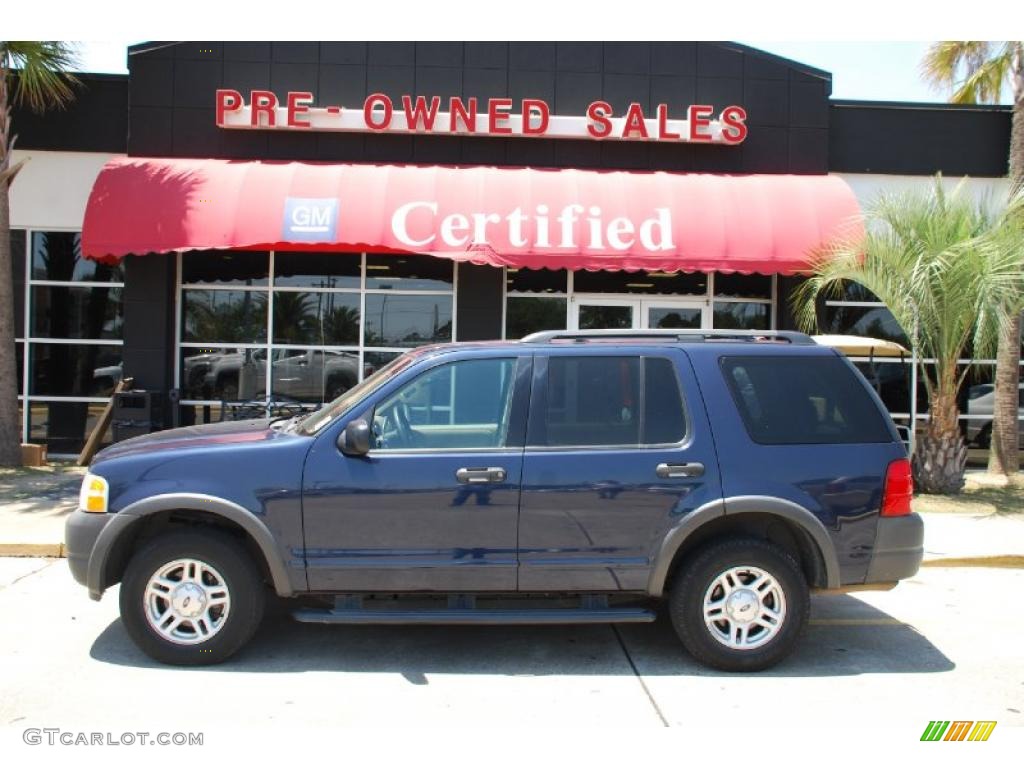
670,334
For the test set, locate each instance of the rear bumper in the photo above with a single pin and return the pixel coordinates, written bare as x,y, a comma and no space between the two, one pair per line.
81,531
899,549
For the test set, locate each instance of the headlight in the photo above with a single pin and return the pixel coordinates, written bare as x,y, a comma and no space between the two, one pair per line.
93,496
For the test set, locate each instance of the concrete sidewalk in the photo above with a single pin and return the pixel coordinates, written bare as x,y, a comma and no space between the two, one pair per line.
34,504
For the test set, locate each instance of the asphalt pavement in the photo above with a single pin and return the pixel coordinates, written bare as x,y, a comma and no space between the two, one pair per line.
945,645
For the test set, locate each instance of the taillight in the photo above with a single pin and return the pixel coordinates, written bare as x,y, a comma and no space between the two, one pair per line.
899,488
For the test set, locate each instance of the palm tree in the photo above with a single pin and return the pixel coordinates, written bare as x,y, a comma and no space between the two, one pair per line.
945,268
37,72
975,72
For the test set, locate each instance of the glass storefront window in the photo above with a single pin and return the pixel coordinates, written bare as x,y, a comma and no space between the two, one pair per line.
250,268
322,318
224,316
313,375
528,314
742,315
640,282
737,286
317,270
223,373
374,361
19,355
536,280
406,320
64,426
74,370
66,312
409,273
58,256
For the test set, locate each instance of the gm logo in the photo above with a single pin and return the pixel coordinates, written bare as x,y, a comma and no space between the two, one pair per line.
310,219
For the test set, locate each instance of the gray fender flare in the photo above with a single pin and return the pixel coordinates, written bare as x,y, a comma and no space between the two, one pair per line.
772,505
123,521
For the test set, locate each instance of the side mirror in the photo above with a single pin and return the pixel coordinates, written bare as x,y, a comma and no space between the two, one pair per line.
354,440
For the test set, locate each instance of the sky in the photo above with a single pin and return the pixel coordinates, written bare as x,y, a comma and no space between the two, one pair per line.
870,71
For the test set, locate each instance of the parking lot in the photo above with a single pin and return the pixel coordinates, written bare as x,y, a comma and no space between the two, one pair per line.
942,645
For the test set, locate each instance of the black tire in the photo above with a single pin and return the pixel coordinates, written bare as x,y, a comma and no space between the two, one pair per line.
242,581
696,576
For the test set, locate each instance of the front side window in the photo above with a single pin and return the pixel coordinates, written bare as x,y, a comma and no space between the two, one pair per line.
610,401
459,405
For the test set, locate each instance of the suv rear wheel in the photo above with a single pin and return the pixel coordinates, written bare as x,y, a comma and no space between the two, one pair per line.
739,605
191,598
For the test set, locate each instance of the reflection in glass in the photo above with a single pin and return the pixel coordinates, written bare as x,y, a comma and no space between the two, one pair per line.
598,316
536,280
740,315
640,282
739,286
526,314
313,375
409,273
874,322
58,256
62,312
316,318
374,361
317,270
219,316
223,373
673,317
225,267
74,370
407,321
64,426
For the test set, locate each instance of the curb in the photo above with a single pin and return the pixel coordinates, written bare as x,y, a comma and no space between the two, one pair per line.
32,550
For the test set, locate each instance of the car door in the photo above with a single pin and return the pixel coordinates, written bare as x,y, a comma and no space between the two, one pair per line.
434,504
618,452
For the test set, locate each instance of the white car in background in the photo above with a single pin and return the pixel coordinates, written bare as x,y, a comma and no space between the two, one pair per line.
981,400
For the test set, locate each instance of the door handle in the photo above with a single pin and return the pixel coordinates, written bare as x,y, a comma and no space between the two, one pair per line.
480,475
687,469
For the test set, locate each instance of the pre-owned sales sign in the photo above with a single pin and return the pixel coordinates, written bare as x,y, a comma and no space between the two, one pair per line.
476,117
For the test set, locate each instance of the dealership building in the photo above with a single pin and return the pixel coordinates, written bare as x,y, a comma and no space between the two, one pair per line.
269,222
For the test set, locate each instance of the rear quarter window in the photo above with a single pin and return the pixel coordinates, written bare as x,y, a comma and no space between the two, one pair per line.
791,399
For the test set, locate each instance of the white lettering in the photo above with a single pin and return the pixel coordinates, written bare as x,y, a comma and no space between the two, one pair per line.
567,218
660,225
454,230
398,224
516,219
540,235
616,229
480,221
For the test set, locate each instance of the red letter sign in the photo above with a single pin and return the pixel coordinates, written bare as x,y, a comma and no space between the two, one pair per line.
227,101
700,115
460,111
634,122
263,103
421,115
734,126
497,110
663,132
368,116
298,104
535,108
599,126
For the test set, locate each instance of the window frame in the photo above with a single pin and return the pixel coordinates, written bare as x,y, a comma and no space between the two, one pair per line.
538,402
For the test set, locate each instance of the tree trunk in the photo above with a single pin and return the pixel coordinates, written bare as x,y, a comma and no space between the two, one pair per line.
1004,455
940,454
10,424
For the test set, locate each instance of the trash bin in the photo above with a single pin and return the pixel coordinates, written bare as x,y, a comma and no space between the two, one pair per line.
137,412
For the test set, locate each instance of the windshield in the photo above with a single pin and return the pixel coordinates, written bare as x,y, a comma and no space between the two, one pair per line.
319,419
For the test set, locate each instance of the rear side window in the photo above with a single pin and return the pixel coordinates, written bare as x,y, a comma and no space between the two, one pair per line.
788,400
610,401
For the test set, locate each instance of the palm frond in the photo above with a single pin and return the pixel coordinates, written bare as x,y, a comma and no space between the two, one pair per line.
971,71
43,69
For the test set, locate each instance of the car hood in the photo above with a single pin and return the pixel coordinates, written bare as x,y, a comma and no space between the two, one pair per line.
201,435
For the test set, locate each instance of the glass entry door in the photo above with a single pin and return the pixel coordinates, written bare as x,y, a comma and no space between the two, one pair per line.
592,313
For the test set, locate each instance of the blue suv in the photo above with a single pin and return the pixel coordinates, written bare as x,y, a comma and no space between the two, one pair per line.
567,477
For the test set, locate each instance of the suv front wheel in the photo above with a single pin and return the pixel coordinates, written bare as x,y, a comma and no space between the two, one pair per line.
739,605
191,597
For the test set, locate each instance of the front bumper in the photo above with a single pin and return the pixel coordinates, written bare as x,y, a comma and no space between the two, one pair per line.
899,549
81,531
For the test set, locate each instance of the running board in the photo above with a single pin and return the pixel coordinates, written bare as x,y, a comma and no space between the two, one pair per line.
351,611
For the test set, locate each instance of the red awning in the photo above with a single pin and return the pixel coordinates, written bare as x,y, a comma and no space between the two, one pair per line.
520,217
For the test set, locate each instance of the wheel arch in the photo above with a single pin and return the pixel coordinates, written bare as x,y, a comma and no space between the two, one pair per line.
142,518
779,520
